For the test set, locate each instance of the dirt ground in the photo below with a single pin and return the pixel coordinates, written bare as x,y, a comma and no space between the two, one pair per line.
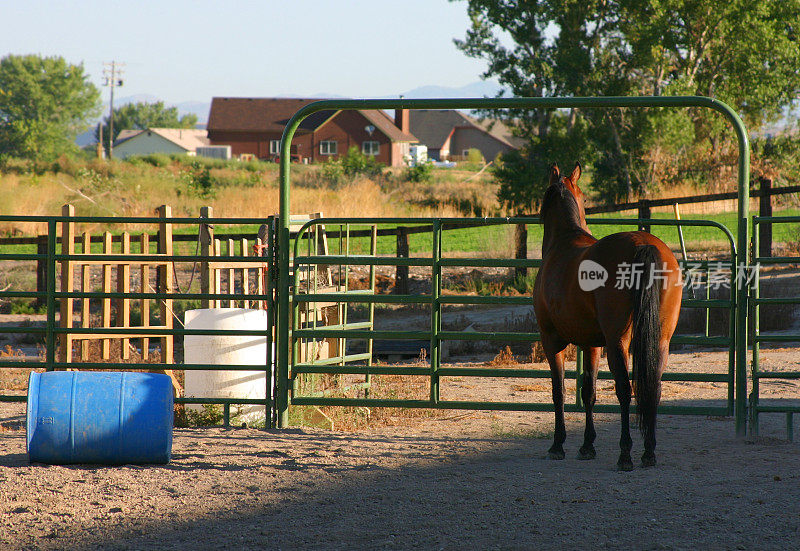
450,481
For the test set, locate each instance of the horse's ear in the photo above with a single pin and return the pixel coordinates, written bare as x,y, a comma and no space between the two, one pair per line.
554,174
576,173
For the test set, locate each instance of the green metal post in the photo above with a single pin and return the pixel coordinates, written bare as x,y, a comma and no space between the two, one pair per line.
282,337
754,392
742,240
373,251
294,340
50,338
708,297
436,308
733,353
343,317
270,289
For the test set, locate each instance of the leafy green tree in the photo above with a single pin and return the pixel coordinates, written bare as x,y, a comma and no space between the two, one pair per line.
142,115
742,52
45,103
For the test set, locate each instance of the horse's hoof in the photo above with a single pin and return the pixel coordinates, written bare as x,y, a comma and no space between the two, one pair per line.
585,454
648,460
556,454
625,464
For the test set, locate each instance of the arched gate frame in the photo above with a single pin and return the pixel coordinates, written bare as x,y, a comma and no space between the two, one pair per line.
742,237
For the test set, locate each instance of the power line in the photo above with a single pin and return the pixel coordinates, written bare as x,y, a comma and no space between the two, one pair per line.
112,77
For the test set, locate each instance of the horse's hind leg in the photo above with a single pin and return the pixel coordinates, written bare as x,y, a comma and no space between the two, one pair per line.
591,363
554,351
649,424
618,363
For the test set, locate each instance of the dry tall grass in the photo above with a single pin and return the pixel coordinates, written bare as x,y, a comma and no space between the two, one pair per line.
102,188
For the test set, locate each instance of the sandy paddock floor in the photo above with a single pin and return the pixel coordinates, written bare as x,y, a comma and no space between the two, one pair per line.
456,480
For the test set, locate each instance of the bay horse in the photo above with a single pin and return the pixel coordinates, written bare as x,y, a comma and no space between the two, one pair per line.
634,309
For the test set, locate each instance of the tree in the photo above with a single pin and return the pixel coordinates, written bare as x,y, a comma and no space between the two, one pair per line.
45,103
142,115
743,52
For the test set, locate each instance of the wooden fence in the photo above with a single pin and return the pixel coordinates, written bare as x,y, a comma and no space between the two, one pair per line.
644,207
121,270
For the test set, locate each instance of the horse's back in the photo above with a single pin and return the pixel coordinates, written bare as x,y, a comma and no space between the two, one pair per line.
592,317
617,253
621,247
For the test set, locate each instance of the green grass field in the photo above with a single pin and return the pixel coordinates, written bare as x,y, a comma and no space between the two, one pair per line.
491,241
496,241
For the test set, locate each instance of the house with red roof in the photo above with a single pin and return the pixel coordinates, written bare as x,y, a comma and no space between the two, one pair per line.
450,134
254,126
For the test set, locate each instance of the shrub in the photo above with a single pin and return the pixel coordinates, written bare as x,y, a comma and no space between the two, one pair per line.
355,162
198,181
474,156
420,172
156,159
332,173
211,415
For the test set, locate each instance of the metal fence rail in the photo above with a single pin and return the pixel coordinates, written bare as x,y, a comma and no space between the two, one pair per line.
743,227
757,373
52,296
283,296
436,335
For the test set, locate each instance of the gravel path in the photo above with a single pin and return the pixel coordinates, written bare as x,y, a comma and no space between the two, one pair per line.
453,481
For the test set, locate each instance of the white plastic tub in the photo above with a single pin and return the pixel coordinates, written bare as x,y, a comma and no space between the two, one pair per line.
227,350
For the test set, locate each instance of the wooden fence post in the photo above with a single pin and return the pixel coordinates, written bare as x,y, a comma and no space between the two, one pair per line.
245,273
401,272
144,240
124,286
67,281
216,280
206,251
644,213
231,274
521,248
765,209
165,270
106,316
86,286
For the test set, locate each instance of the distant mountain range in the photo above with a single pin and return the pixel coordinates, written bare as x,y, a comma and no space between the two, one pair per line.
201,108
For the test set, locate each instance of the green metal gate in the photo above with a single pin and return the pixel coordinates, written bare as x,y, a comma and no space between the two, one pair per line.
757,406
436,336
283,296
287,370
52,295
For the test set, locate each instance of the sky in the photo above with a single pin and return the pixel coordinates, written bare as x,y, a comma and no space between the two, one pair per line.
181,50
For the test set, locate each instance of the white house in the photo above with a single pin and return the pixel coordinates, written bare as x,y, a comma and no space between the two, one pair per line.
159,140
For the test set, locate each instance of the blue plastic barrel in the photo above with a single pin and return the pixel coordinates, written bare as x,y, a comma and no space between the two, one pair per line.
99,417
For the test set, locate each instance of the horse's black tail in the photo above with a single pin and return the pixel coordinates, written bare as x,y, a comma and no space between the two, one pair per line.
646,335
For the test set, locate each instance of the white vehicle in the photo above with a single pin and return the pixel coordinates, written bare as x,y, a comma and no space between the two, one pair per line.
417,154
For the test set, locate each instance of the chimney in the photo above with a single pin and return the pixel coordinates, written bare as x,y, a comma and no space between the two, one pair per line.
401,119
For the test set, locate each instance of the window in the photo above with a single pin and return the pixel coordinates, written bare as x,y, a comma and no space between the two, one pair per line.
370,148
327,147
274,147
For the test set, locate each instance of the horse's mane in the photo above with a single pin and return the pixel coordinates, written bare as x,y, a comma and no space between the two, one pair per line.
557,195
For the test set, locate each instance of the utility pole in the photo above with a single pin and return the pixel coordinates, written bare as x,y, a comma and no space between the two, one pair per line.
112,76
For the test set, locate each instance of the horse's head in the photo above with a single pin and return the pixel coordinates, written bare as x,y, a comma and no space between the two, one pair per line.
564,195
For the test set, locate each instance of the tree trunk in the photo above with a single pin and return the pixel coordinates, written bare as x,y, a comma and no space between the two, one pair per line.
618,146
